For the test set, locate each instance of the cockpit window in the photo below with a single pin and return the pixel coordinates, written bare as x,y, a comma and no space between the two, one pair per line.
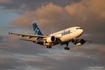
78,28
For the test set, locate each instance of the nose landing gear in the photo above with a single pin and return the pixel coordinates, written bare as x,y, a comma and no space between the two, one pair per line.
66,48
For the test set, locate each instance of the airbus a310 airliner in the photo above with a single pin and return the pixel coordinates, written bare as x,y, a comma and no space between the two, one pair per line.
61,37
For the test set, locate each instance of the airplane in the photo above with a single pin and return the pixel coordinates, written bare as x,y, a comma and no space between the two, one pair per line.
61,37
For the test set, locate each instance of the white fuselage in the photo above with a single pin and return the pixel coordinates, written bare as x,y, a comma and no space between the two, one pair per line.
68,34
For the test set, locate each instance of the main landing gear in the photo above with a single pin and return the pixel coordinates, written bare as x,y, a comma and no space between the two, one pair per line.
48,47
67,48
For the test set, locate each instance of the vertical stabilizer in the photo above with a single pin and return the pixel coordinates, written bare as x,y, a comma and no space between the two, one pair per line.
36,29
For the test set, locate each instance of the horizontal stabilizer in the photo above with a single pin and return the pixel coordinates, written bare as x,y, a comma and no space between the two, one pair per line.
88,41
9,33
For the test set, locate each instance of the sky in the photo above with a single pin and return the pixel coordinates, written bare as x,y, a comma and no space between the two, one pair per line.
51,16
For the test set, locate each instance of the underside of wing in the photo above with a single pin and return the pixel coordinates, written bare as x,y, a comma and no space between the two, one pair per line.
38,39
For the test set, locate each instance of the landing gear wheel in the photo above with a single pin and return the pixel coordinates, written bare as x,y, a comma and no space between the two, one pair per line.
48,47
66,48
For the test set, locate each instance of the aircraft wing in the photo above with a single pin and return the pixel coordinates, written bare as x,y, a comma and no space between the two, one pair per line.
28,36
38,39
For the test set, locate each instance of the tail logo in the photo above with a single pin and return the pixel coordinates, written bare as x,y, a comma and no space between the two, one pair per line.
36,31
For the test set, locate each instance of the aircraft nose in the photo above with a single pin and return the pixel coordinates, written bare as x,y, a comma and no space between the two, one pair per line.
81,31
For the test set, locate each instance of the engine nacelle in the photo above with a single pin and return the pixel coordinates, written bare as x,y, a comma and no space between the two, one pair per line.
78,42
51,39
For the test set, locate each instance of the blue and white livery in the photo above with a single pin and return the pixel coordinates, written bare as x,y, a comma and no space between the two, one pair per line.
60,37
36,30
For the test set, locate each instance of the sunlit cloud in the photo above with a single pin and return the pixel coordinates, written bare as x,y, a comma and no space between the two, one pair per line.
52,16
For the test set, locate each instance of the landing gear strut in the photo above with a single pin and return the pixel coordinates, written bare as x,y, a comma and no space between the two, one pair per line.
67,48
48,47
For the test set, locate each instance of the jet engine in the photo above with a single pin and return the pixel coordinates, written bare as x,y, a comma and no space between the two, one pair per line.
51,39
78,42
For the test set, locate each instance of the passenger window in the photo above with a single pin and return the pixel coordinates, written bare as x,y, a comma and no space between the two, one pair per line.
78,28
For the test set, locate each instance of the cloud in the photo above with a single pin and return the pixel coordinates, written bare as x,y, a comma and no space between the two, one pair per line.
60,63
2,37
99,49
14,45
97,38
25,20
9,26
88,14
39,16
79,58
32,4
8,4
9,63
82,14
5,1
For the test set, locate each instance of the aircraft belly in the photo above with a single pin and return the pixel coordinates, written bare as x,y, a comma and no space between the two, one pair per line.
55,43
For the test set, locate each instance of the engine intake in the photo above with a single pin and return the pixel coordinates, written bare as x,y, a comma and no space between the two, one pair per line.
51,39
78,42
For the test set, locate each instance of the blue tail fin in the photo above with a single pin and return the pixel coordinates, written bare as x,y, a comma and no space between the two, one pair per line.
36,29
